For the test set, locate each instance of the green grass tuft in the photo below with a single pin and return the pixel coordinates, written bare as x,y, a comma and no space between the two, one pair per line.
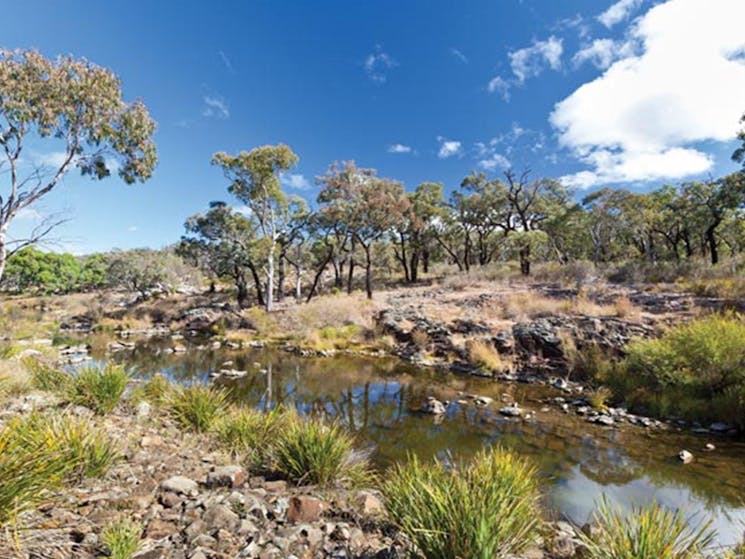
482,509
44,377
122,538
99,389
250,433
645,533
310,451
197,407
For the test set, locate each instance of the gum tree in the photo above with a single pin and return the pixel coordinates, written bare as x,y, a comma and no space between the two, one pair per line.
74,110
254,180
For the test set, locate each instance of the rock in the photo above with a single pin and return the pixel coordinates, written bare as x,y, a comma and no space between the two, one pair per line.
180,484
278,486
368,504
563,548
513,410
158,529
226,476
434,406
708,447
304,508
719,427
685,457
218,517
482,400
143,409
603,420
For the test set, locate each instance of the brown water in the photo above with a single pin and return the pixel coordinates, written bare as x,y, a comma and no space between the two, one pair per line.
578,461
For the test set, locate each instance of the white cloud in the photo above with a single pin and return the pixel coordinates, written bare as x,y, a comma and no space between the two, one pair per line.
527,63
376,65
604,52
449,148
28,213
399,148
531,61
215,106
501,86
487,156
295,181
226,61
618,12
132,228
494,161
53,159
639,120
459,55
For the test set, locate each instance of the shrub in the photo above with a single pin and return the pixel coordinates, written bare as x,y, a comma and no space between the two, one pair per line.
688,367
310,451
645,533
197,406
482,509
99,389
249,433
599,398
122,538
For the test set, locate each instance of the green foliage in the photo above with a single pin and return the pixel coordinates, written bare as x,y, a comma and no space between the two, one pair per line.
39,453
47,272
122,538
483,509
145,270
599,397
99,389
45,377
250,433
645,533
157,389
197,407
689,368
311,451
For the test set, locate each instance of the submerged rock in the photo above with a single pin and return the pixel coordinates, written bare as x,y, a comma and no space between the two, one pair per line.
685,457
434,406
513,410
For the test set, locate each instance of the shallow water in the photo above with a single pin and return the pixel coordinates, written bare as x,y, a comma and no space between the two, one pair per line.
578,461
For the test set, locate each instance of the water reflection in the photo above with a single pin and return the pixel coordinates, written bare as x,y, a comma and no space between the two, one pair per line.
579,462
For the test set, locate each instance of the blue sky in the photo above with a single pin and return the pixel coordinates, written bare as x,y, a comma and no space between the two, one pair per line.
632,93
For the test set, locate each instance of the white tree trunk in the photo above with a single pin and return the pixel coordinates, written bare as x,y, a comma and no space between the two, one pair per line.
270,279
3,249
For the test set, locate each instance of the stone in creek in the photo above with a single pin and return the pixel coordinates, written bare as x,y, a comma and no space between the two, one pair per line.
709,447
719,427
482,400
603,420
434,406
513,410
685,457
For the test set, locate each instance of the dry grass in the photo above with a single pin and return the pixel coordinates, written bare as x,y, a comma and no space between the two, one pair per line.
485,356
624,308
14,378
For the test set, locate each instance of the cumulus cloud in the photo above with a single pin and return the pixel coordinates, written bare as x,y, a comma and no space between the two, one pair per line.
640,120
295,181
604,52
618,12
377,64
215,107
527,63
399,148
449,148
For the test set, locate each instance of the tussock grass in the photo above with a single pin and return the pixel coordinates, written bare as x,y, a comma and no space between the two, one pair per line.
41,452
652,532
311,451
250,433
45,377
485,356
122,538
99,389
197,407
599,398
482,509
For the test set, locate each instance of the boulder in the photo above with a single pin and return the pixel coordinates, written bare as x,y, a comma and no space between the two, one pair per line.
303,508
180,484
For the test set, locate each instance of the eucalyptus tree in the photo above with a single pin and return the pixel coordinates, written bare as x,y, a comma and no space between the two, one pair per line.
369,206
255,180
71,107
414,235
225,243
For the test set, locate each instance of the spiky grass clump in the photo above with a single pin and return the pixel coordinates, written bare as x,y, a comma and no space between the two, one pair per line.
45,377
122,538
197,406
484,355
28,471
99,389
311,451
85,445
482,509
651,532
249,433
